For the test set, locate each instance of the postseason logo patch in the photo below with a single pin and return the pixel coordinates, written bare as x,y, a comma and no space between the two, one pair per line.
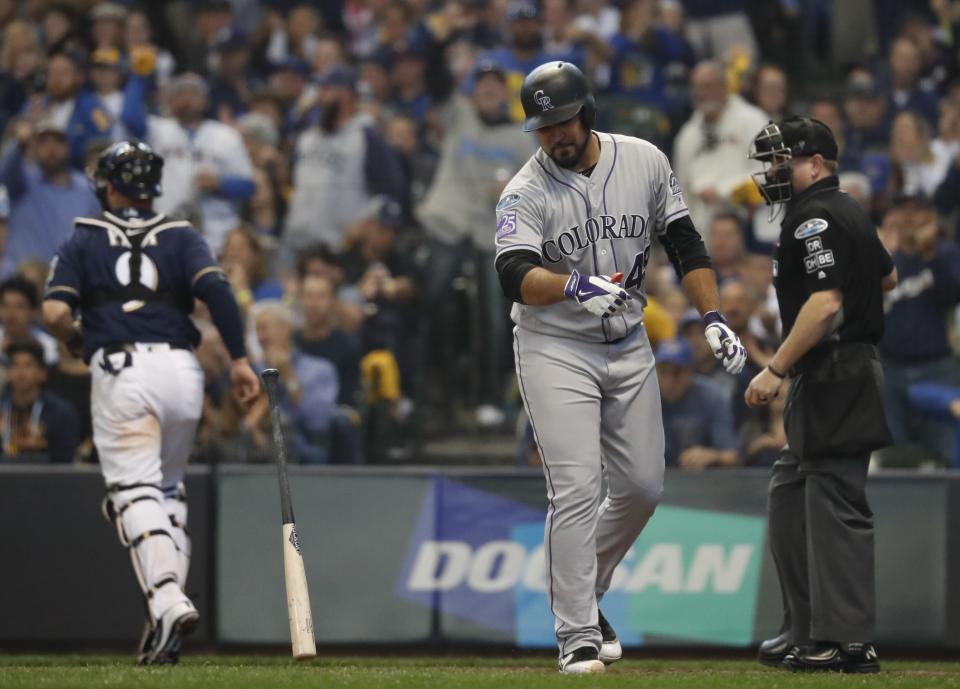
508,201
506,225
810,228
674,185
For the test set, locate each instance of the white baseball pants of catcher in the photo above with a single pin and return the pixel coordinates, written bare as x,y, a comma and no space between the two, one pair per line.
146,405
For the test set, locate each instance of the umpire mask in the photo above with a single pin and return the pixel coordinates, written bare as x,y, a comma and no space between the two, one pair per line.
778,143
770,149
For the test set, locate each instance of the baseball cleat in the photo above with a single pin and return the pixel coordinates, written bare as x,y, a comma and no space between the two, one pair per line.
178,621
146,641
582,661
610,650
773,651
859,658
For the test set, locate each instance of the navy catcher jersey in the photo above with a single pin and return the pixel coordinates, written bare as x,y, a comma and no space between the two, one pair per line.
122,299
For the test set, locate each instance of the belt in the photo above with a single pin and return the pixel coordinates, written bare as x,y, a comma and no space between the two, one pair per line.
132,347
129,348
836,351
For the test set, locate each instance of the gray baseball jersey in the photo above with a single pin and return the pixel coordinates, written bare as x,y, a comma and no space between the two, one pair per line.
588,383
598,225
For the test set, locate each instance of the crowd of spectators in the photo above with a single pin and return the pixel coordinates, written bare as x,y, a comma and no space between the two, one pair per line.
344,157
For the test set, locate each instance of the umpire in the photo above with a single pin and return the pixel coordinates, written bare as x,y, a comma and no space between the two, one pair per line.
830,272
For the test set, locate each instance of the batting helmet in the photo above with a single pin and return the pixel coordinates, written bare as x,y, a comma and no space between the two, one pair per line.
554,93
132,167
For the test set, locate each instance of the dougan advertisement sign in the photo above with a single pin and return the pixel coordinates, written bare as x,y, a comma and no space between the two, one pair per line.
427,556
692,575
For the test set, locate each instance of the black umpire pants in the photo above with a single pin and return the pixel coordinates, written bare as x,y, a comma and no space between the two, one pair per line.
821,536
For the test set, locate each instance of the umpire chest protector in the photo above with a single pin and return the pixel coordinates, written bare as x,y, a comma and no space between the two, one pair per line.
136,272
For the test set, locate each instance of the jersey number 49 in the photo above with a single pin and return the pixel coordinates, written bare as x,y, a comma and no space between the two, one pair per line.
635,277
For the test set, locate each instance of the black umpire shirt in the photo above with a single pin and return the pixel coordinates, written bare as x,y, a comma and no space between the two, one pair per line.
828,242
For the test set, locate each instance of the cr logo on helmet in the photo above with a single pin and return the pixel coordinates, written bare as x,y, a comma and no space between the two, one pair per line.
543,100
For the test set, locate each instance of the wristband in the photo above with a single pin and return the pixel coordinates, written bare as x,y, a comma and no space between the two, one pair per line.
711,317
775,372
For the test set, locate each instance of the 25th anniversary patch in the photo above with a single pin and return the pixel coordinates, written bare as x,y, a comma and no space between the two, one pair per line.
507,225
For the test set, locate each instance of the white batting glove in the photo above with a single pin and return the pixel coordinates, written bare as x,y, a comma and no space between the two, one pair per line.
597,295
724,342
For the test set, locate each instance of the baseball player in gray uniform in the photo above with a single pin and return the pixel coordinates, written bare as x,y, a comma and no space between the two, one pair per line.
574,233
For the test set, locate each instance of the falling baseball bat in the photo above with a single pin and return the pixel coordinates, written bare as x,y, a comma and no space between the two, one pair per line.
295,576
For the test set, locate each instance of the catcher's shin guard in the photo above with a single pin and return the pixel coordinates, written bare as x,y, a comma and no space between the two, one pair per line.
144,528
175,504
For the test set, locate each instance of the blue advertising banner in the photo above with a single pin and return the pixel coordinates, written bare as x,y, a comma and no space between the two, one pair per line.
692,576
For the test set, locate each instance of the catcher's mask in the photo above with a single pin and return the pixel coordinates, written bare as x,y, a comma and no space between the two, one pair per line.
130,166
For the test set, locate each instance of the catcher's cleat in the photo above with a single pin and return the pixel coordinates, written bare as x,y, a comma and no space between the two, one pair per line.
146,641
178,621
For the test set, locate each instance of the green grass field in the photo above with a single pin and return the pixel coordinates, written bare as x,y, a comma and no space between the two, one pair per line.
273,672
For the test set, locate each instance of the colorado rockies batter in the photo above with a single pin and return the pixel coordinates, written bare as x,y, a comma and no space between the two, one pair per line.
133,275
585,207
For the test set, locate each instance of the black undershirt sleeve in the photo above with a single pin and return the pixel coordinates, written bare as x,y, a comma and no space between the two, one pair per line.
684,247
214,290
512,267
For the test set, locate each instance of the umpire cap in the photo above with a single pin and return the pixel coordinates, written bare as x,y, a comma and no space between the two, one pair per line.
132,167
777,143
796,136
554,93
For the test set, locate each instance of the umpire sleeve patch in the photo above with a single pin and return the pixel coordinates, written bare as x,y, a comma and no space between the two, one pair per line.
817,261
810,227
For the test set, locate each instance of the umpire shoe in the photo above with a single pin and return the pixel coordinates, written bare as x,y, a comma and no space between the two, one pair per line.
773,651
178,621
610,650
860,658
582,661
